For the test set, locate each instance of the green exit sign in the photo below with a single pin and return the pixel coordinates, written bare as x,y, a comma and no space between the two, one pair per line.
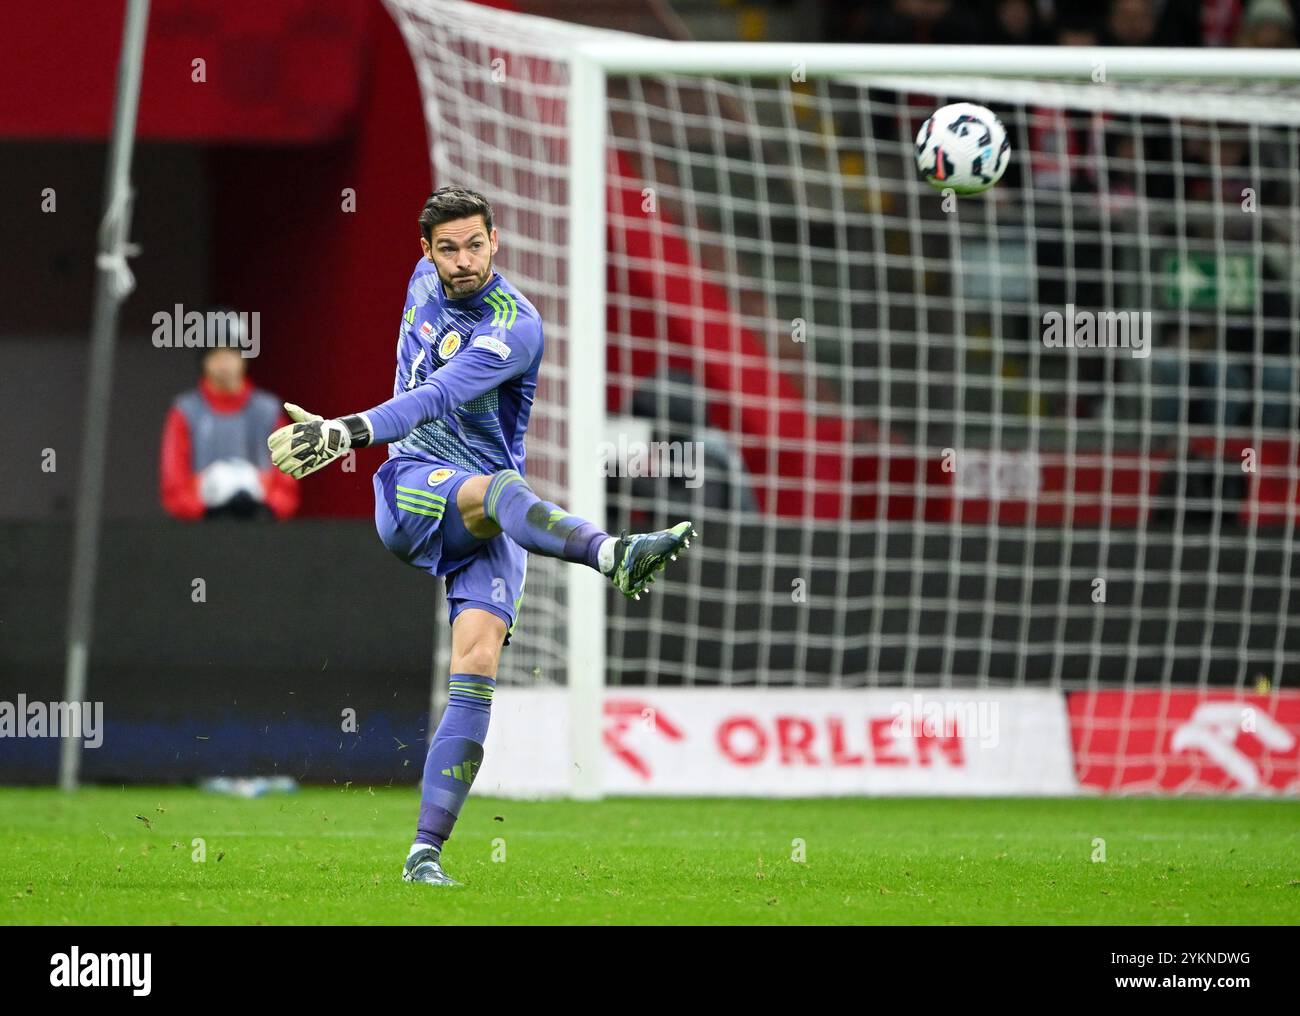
1209,280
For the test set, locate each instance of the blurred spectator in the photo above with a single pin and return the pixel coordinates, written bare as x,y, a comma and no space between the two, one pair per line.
1267,24
1152,23
214,458
1077,28
1131,23
1219,22
929,21
1016,23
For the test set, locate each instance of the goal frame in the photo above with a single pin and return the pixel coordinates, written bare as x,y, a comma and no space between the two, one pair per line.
590,66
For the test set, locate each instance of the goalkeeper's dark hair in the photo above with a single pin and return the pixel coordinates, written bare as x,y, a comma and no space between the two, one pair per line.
447,204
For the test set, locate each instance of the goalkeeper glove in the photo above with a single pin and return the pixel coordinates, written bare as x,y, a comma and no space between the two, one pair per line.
312,442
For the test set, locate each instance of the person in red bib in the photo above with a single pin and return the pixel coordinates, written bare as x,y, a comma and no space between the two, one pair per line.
214,462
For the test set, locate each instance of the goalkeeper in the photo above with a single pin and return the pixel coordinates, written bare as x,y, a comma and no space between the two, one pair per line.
451,498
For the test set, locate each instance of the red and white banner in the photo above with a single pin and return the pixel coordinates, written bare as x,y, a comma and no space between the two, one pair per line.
1186,742
788,743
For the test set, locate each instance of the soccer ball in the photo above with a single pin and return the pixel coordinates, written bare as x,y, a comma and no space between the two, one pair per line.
963,146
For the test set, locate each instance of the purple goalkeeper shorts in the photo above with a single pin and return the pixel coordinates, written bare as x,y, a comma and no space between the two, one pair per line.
417,519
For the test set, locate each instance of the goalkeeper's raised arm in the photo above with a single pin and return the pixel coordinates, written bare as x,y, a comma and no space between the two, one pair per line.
493,355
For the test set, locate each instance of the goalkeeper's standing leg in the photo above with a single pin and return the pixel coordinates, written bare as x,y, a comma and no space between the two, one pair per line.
457,749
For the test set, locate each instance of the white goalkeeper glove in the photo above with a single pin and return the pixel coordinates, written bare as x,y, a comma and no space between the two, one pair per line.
312,442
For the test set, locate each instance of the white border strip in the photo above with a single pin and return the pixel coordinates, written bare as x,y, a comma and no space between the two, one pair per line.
822,59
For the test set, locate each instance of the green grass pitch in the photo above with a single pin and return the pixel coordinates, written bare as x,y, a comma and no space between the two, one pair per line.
334,856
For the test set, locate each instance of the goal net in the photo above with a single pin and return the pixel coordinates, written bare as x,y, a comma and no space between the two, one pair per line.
1041,437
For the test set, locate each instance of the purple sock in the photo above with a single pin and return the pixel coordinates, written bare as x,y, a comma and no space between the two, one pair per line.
539,526
454,756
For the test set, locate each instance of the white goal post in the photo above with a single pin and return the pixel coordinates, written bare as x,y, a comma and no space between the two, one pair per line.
742,147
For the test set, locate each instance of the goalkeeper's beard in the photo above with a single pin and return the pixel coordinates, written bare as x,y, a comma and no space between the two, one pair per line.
456,292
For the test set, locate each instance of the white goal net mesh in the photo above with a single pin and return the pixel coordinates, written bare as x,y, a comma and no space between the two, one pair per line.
897,478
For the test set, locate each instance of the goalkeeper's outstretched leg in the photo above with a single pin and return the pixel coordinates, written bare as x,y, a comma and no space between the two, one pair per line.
505,503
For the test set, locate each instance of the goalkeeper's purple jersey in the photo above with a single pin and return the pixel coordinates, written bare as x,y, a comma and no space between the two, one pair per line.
474,361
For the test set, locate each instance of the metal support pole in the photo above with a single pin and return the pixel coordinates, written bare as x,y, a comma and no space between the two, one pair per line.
113,283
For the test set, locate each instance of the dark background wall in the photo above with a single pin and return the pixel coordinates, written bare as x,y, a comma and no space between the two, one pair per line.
299,623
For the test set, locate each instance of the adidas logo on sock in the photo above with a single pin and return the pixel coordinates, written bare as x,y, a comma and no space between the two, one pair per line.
463,772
